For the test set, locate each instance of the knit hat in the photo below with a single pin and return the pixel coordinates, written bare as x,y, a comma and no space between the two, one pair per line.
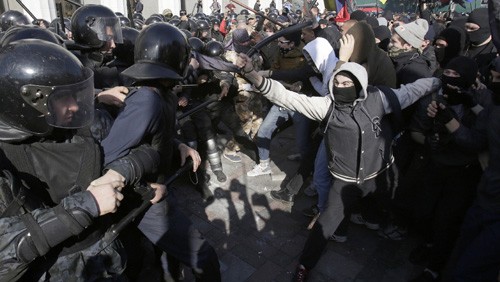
413,32
466,67
372,21
480,17
358,15
382,21
241,18
382,32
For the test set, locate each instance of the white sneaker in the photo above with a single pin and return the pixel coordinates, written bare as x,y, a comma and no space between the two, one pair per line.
357,218
294,157
311,190
259,170
338,238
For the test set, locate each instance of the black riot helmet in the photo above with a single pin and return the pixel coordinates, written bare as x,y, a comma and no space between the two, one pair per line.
28,32
138,23
199,16
124,21
174,22
138,16
196,44
44,86
162,17
125,51
94,25
153,19
187,33
202,25
244,12
161,52
12,18
213,49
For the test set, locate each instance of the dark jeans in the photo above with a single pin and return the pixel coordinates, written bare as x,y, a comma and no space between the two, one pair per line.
478,246
443,201
169,229
342,197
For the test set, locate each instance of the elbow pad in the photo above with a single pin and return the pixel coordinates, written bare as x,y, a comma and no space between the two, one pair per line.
140,161
40,237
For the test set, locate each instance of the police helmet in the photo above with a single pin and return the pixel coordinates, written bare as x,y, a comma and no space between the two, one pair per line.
187,33
124,22
138,23
199,16
196,44
44,86
138,16
161,52
153,19
244,12
213,49
161,16
12,18
174,22
94,25
28,32
125,51
202,25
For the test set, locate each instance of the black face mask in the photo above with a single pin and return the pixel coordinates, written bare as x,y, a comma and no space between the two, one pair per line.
440,54
455,81
453,97
285,51
479,36
495,96
345,95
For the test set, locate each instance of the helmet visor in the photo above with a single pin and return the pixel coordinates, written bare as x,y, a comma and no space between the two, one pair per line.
64,106
108,28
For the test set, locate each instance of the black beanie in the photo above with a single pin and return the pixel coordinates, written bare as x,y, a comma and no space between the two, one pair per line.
358,15
480,17
466,67
382,32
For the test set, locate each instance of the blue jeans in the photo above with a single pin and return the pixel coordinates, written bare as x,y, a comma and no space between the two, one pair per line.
276,117
322,178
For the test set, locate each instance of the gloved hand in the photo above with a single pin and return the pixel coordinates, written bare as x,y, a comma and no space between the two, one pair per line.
444,115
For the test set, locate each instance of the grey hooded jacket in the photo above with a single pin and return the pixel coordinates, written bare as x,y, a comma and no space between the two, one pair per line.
357,149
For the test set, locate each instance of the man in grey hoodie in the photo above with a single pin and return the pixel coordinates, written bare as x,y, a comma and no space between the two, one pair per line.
357,137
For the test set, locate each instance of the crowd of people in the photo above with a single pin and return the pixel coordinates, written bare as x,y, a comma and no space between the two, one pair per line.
396,121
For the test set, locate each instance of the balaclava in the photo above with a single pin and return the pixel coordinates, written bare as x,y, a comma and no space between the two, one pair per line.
479,17
346,95
467,68
455,37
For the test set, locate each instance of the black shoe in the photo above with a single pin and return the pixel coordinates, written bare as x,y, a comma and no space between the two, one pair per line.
425,276
420,254
283,195
221,177
300,274
311,212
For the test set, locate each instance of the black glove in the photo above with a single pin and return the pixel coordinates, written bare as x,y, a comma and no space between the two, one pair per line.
444,116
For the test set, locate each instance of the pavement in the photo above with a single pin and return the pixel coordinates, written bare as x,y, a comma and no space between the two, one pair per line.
260,239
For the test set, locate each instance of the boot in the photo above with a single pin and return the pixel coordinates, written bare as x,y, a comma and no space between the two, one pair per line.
283,195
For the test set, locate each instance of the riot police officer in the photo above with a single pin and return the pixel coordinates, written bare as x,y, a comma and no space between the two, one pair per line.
45,112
